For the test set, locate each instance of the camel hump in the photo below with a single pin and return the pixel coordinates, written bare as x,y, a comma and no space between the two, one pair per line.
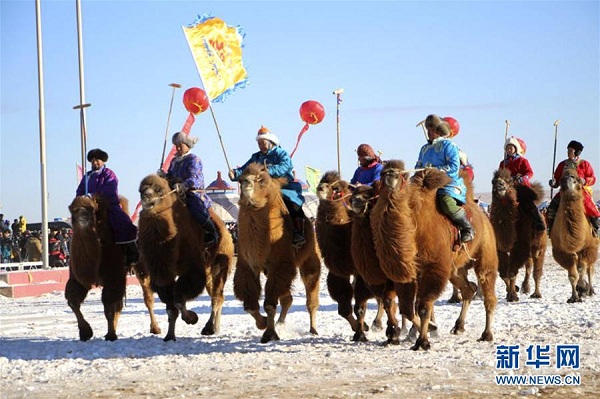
431,179
124,202
534,194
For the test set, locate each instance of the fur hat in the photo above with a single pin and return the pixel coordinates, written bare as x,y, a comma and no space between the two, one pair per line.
265,134
181,137
366,151
97,153
576,145
443,129
515,142
432,121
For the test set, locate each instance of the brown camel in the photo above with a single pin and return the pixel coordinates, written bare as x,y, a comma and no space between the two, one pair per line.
265,246
334,235
417,245
366,261
573,245
518,242
97,261
172,245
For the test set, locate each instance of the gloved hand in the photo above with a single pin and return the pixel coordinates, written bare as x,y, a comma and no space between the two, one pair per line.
582,181
519,179
231,174
552,183
161,173
179,189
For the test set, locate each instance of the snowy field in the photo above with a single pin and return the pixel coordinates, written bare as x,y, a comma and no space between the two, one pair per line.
42,357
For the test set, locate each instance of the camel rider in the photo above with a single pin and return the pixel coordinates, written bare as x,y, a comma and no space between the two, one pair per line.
521,172
186,177
588,179
103,182
441,153
370,166
279,164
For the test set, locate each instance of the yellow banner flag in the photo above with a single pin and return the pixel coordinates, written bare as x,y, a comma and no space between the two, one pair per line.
313,176
217,51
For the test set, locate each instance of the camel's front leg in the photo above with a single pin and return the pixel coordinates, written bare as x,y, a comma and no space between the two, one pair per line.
310,273
390,306
573,279
246,288
75,293
425,310
286,303
172,314
112,311
144,280
467,291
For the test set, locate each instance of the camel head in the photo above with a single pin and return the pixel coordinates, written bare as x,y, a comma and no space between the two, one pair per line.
257,186
502,183
154,191
363,199
392,175
570,183
83,212
332,187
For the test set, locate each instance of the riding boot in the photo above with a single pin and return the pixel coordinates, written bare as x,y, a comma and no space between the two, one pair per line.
550,222
211,235
132,255
298,239
467,233
595,220
551,212
538,223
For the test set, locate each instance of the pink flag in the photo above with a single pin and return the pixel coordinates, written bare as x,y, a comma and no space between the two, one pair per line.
136,212
79,172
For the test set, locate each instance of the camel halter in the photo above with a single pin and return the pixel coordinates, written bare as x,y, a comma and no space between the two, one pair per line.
339,197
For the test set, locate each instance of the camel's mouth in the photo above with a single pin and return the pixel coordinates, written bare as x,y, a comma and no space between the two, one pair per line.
247,190
570,183
149,200
501,188
83,217
322,191
359,205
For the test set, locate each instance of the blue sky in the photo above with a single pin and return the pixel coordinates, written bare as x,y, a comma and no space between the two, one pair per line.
480,62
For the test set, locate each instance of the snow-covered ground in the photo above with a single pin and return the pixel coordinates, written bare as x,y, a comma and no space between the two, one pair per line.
42,357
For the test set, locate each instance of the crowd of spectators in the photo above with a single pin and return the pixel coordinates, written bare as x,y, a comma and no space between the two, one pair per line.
18,244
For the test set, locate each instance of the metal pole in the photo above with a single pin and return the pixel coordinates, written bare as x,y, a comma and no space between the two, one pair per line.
554,157
42,122
422,124
175,86
507,122
219,134
81,88
337,93
82,128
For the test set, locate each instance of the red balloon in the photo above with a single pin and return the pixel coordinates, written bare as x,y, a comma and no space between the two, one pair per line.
454,126
195,100
312,112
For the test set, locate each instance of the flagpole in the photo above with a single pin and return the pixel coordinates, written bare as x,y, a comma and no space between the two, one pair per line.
175,86
42,122
337,93
82,105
